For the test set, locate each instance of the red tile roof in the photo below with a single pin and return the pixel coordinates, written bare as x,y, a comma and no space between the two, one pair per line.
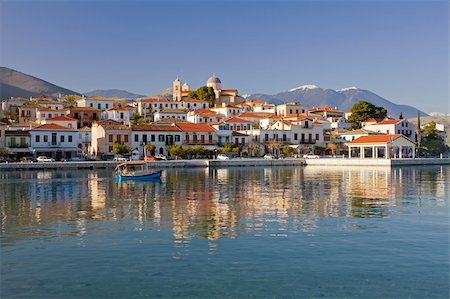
82,109
324,109
236,120
154,99
155,128
189,127
61,118
194,101
52,127
255,115
378,139
389,122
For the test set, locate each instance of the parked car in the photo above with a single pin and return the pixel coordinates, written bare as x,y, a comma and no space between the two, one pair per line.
160,157
269,157
222,157
45,159
311,156
27,160
120,159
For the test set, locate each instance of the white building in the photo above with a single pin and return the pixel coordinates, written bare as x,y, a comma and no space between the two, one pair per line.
227,110
62,120
54,141
394,126
204,116
119,114
170,114
99,103
42,114
290,109
395,146
147,107
159,135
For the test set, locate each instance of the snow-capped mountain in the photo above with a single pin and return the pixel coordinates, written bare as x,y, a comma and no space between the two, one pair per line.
314,96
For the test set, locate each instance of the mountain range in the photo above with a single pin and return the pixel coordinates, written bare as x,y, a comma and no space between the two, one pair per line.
16,84
113,93
343,99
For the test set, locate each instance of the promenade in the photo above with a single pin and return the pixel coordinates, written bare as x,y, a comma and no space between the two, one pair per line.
244,162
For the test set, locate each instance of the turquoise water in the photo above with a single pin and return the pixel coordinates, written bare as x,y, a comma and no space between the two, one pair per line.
227,233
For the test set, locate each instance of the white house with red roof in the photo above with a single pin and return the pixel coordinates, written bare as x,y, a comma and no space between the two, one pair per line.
290,109
193,104
44,113
147,107
62,120
393,126
120,114
204,116
387,146
55,141
228,110
170,114
199,134
159,135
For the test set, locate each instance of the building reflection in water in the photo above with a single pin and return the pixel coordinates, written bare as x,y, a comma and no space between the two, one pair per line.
210,203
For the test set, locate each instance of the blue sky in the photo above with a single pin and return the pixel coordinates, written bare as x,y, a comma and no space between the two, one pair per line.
397,49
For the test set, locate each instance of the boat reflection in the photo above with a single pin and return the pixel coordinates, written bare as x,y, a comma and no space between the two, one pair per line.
210,203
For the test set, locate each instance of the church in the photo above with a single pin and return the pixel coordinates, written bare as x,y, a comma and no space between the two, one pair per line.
223,96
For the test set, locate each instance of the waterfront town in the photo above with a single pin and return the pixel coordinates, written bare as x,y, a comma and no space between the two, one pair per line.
192,123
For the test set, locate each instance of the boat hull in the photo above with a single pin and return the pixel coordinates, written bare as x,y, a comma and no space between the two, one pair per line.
145,177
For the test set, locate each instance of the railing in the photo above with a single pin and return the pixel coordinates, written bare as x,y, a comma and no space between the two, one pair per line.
20,145
308,141
277,139
194,142
54,144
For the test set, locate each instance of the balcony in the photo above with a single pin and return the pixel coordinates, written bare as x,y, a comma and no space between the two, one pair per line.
277,140
54,144
308,141
204,142
20,145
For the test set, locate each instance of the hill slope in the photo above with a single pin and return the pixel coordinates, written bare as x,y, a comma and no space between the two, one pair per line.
17,84
113,93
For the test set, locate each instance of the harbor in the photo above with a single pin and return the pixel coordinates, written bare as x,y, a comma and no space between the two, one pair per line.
239,162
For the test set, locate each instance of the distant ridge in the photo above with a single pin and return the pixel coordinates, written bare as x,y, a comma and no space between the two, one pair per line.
17,84
314,96
113,93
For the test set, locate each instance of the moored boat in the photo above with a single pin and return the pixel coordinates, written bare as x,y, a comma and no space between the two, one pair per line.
136,170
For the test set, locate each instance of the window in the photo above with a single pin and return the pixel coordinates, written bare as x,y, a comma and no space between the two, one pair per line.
91,105
136,137
152,138
177,138
70,126
144,138
110,138
43,114
306,124
284,137
99,106
106,106
187,137
295,136
161,138
45,138
38,138
317,136
126,138
119,138
70,138
195,137
62,138
110,148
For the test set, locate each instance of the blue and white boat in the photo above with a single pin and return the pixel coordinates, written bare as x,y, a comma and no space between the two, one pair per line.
136,170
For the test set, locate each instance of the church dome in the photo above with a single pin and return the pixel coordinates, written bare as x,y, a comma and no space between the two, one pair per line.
213,79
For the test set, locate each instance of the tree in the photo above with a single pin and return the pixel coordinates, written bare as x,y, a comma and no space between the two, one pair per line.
363,111
274,146
228,147
175,150
70,101
4,152
332,147
150,148
287,150
204,93
121,149
432,142
193,95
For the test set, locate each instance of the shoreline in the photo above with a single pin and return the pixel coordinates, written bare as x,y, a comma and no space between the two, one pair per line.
239,162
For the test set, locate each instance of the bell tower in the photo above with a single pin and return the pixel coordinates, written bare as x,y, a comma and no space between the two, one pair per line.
176,90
